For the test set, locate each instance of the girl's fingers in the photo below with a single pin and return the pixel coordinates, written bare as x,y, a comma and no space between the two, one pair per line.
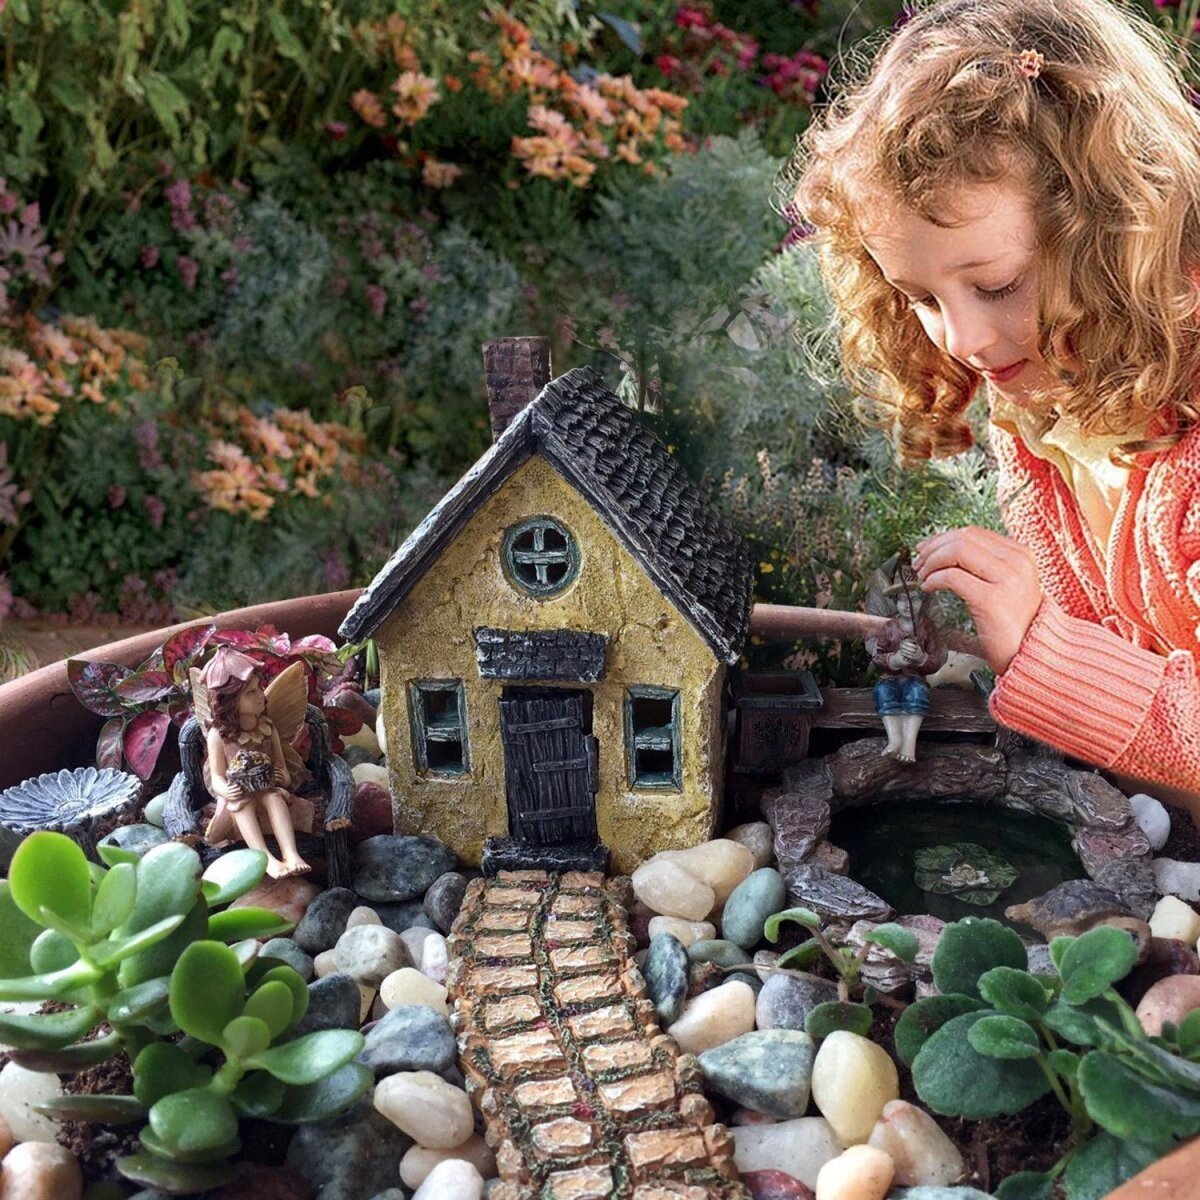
972,588
972,557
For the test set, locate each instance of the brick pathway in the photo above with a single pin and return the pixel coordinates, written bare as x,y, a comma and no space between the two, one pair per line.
585,1098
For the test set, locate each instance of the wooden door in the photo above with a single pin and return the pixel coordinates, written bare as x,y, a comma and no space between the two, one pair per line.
549,769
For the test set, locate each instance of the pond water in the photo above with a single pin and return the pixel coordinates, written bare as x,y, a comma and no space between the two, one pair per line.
883,840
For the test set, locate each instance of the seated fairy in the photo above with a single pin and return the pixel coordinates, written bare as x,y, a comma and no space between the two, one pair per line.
247,739
906,651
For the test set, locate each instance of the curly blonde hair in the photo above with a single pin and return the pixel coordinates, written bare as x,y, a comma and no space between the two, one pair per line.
1106,142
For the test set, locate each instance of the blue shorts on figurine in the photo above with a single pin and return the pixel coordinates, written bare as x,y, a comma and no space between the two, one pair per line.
901,694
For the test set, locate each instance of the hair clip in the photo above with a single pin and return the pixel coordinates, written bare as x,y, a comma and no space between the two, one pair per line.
1031,63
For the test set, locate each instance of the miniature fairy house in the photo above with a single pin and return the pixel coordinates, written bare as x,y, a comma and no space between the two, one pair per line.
554,636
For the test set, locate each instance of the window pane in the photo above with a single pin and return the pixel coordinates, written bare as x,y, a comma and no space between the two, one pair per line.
653,737
440,739
650,712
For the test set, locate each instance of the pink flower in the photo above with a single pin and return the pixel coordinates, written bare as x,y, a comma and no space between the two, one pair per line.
149,257
668,64
156,510
377,298
116,496
188,268
337,130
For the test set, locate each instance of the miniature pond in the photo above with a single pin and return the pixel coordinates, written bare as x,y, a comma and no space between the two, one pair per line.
894,851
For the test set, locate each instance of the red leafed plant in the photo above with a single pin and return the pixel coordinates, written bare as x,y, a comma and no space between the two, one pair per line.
146,704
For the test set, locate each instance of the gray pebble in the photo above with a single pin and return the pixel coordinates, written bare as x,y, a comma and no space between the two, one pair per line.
333,1003
717,950
786,1000
759,895
354,755
285,950
444,899
393,867
370,953
324,920
411,1037
138,838
408,914
768,1070
665,971
348,1157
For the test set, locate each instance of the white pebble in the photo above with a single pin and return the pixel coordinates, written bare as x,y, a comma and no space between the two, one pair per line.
859,1173
381,732
688,932
435,958
20,1090
364,739
1152,818
921,1153
852,1080
370,953
414,940
715,1017
362,915
1174,919
667,888
324,964
721,863
418,1161
409,986
370,773
453,1179
800,1147
427,1108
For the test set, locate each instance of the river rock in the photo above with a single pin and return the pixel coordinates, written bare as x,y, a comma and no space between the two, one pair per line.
427,1108
286,951
435,958
153,813
763,961
719,951
858,1173
452,1179
369,773
407,914
721,864
799,823
372,810
832,858
1170,999
324,964
852,1080
325,920
666,888
289,898
766,1070
410,1037
833,896
1174,919
362,915
687,932
800,1147
666,974
444,899
775,1185
136,838
370,953
786,1000
759,895
715,1017
414,940
1152,818
758,839
919,1150
351,1156
409,986
1038,960
20,1090
1175,878
40,1171
420,1160
333,1003
390,867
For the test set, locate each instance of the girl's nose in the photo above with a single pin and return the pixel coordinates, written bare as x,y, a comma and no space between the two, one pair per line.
969,334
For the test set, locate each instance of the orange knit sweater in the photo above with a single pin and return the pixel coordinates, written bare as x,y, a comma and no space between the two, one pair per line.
1108,669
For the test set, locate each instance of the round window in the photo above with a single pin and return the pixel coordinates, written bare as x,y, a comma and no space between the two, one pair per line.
540,556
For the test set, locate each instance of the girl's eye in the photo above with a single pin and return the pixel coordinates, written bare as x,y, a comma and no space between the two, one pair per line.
998,294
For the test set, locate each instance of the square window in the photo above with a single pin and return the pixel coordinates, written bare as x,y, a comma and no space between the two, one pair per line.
652,737
439,727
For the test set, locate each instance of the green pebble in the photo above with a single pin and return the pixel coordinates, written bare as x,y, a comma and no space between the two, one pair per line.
718,950
153,812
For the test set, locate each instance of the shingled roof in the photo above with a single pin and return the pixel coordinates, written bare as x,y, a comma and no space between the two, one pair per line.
640,491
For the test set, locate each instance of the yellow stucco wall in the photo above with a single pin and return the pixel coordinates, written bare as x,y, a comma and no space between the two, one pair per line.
429,636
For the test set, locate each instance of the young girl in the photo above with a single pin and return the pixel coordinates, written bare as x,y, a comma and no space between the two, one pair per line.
1012,199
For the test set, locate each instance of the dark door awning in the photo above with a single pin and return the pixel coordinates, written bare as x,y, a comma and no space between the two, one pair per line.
531,655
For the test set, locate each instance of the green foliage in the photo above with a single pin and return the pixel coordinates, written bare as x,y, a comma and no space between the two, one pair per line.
991,1044
833,1015
137,946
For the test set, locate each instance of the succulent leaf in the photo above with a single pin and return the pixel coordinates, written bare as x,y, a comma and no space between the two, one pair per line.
311,1057
207,990
327,1097
233,875
49,873
234,924
115,898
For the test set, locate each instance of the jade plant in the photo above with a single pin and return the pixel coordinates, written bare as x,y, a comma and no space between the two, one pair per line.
998,1038
845,1012
146,953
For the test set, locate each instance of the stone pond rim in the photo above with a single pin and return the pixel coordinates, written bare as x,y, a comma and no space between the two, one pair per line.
43,728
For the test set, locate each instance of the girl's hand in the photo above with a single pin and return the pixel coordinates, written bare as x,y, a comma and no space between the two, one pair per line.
995,576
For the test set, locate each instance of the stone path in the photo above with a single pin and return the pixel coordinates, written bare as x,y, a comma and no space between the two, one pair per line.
585,1098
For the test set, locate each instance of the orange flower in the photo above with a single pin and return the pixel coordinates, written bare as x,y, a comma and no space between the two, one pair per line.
452,83
369,108
439,174
415,93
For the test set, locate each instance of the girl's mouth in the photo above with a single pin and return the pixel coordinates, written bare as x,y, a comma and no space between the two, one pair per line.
1007,374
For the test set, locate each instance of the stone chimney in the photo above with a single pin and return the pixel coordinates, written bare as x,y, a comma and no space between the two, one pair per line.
517,369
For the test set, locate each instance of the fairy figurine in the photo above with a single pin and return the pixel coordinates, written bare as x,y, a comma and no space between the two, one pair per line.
249,762
907,650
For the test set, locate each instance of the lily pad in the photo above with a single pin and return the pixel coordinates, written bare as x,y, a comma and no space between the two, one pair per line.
966,870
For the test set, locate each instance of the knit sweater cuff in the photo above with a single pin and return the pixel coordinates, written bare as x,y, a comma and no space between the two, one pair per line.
1077,686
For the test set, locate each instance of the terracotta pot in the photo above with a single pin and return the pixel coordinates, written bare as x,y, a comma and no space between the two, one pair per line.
1172,1178
44,728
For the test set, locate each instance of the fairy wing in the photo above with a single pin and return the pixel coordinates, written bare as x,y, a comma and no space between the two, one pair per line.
287,701
200,702
878,603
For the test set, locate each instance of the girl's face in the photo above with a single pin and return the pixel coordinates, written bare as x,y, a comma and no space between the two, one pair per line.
251,701
973,286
